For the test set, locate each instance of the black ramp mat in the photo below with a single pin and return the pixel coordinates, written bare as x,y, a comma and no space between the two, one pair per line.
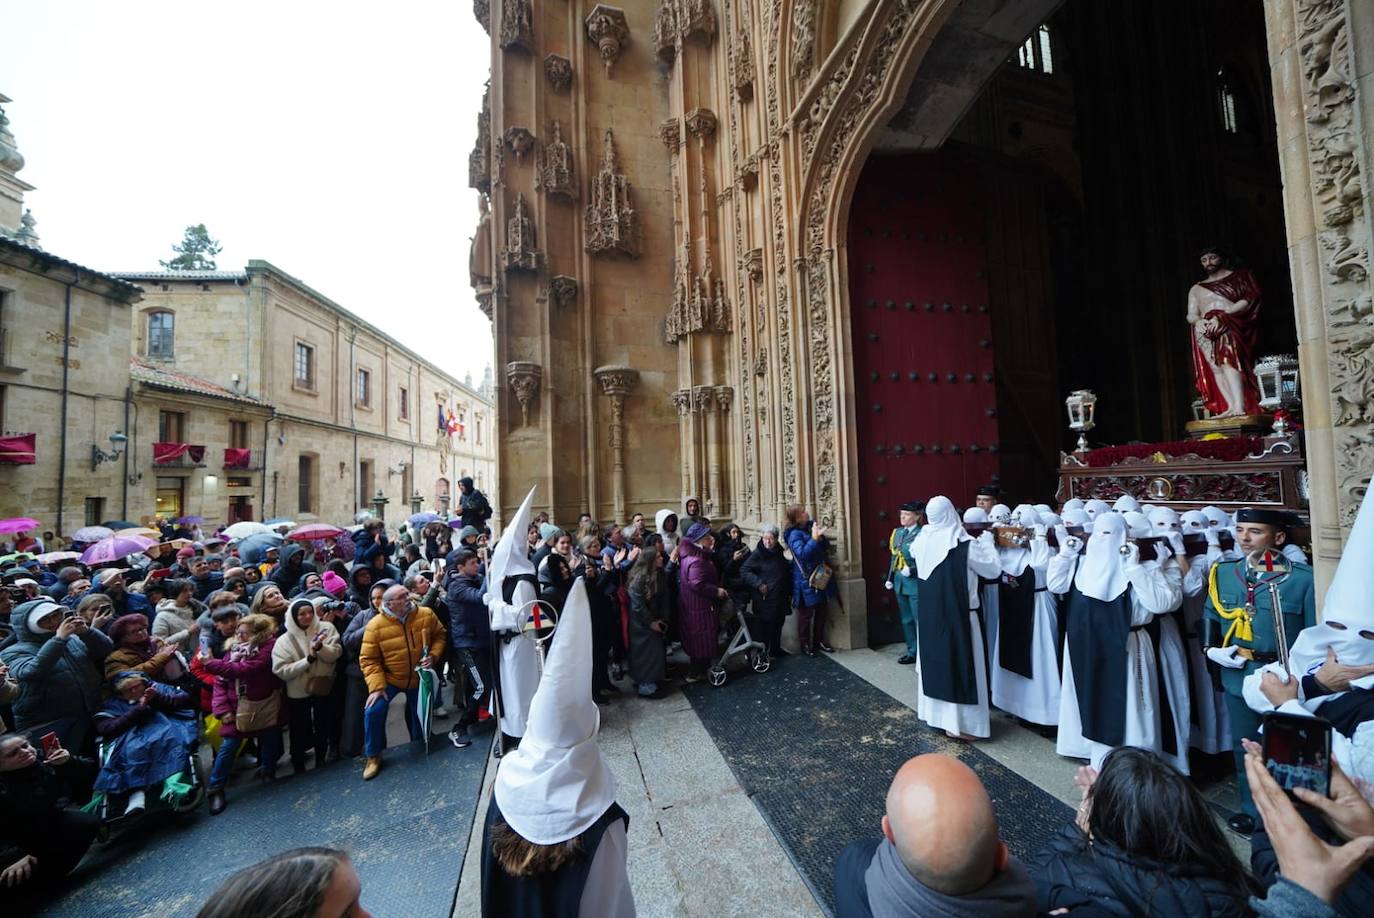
406,832
815,747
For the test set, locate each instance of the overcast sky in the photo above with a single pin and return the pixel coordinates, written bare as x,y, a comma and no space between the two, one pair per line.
330,138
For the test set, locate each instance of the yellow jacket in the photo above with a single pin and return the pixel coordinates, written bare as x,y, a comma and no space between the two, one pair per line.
392,648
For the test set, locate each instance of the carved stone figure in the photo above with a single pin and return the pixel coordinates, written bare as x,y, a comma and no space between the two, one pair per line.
612,226
556,176
517,25
607,29
521,252
524,378
563,290
558,71
520,141
1223,310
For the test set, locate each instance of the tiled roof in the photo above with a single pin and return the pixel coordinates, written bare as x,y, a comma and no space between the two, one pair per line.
42,254
180,275
163,377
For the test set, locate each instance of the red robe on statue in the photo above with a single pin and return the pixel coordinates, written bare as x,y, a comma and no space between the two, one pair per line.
1232,343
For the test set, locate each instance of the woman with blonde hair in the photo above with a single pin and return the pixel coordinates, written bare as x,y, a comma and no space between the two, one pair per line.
246,665
269,601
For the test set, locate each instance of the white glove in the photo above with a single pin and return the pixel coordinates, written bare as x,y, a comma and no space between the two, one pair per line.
887,585
986,537
1228,657
1132,555
907,571
1175,540
1211,536
1068,545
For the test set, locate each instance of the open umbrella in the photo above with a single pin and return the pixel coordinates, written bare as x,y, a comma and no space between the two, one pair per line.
143,531
89,534
312,532
114,548
18,524
252,548
52,557
177,543
276,521
119,524
16,557
245,528
190,520
421,519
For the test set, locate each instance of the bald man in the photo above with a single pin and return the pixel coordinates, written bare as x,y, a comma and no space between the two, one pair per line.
940,853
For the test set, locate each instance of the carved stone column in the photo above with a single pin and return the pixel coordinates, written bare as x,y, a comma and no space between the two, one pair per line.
682,401
720,431
524,378
1323,153
616,383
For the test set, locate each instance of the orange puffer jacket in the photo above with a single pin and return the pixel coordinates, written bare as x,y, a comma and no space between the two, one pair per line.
393,648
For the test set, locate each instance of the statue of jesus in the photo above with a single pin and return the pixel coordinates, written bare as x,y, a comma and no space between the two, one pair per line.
1223,310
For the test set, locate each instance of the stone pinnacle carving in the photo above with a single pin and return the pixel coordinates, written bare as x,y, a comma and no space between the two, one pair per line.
612,226
482,10
677,20
517,25
607,29
479,161
521,252
555,176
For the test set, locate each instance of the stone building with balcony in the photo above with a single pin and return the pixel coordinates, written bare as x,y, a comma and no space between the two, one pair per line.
260,397
64,376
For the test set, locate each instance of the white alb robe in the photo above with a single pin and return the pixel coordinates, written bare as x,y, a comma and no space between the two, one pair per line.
1173,662
968,719
1035,699
519,659
1212,734
1151,594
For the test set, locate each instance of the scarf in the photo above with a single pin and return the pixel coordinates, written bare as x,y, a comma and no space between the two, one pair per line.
894,893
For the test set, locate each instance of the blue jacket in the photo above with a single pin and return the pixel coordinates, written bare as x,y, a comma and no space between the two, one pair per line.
58,678
468,613
128,603
808,554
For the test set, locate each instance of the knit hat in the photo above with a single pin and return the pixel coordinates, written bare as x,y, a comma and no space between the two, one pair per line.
698,532
334,584
185,551
548,531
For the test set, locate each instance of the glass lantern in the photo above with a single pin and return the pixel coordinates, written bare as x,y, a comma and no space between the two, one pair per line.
1082,407
416,501
1279,386
379,503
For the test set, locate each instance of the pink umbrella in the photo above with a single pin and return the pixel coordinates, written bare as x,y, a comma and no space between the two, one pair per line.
18,524
312,532
115,547
53,557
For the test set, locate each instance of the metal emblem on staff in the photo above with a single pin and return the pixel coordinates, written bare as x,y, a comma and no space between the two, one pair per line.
537,621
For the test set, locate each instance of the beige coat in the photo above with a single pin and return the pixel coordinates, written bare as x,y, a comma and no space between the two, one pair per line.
290,660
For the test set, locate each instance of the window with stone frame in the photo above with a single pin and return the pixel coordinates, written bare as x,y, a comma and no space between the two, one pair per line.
238,434
403,406
161,335
304,377
171,426
363,395
306,470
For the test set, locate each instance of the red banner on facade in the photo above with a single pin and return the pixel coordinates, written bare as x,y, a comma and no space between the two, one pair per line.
168,453
237,458
18,449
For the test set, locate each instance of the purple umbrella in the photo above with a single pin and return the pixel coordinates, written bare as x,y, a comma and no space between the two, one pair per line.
190,520
114,548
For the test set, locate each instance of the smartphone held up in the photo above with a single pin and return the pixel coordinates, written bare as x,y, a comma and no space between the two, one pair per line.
1297,752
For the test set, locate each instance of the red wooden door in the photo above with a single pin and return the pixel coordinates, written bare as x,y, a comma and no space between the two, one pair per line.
923,362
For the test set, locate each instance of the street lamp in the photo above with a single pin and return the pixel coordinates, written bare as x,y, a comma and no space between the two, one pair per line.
98,455
379,503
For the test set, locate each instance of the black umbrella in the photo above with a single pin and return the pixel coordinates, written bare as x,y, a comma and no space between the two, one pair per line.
119,524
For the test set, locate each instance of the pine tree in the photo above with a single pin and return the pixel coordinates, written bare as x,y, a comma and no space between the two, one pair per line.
195,252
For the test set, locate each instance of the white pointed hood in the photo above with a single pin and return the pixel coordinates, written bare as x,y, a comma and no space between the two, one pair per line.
1095,506
1073,503
1100,571
1126,504
556,783
511,557
976,516
1219,519
1138,524
1000,514
943,530
1347,603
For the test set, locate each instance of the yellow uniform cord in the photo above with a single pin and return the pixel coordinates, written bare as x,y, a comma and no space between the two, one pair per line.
896,553
1239,617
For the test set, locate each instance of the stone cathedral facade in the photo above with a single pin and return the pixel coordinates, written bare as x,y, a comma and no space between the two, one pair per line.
666,247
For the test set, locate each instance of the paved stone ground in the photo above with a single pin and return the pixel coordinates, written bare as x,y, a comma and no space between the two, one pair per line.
699,847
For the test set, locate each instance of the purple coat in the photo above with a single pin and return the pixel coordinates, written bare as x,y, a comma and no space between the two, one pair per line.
258,680
699,582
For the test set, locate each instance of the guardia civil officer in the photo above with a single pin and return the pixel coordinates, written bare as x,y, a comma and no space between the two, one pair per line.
1242,633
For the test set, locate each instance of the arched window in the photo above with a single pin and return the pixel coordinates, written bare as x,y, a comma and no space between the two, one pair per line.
1037,52
1226,103
161,334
